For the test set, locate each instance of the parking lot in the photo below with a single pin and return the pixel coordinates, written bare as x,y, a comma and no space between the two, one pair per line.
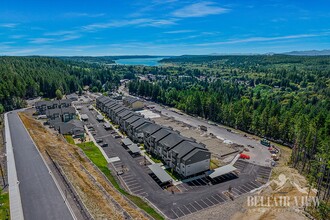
192,196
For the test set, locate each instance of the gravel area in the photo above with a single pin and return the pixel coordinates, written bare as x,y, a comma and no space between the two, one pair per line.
215,145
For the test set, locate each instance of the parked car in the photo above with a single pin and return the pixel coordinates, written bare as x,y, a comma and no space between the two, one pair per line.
250,146
99,140
104,145
117,136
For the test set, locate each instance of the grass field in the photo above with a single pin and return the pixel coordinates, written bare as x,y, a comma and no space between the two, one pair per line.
4,205
95,155
69,139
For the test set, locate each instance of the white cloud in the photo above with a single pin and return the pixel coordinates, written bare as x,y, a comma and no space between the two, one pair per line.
142,22
178,32
262,39
77,15
44,40
200,9
9,25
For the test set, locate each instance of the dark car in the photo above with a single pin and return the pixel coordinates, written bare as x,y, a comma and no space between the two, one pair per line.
99,140
104,145
117,136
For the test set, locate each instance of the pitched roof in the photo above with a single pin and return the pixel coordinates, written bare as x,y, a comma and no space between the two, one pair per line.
124,113
139,122
161,134
185,147
172,140
152,128
132,119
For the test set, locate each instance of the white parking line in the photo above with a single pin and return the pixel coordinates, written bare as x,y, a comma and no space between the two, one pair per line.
242,189
181,211
192,206
130,181
187,209
132,185
135,187
199,205
136,191
210,201
175,213
204,202
245,187
215,199
251,185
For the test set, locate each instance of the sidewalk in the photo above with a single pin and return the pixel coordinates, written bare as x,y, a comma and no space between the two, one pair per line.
16,209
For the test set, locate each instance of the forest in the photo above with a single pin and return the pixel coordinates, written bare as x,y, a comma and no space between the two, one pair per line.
283,98
23,78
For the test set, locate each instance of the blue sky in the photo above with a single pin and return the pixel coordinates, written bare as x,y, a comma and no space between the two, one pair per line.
162,27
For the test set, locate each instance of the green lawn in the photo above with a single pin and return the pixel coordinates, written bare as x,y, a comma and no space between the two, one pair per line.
4,205
95,155
69,139
174,175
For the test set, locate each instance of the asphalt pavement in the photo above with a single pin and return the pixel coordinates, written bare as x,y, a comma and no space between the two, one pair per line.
41,199
178,204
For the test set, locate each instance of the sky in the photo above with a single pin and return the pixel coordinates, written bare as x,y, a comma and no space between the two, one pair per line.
162,27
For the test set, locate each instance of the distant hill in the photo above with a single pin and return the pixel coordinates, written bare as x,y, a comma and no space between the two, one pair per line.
309,53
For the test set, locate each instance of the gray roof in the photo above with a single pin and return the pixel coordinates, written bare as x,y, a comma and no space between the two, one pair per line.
139,122
152,128
161,134
119,109
101,98
70,110
50,112
84,116
160,173
131,99
128,116
107,125
73,95
40,103
185,147
110,103
99,117
132,119
68,127
134,148
172,140
222,171
124,113
126,141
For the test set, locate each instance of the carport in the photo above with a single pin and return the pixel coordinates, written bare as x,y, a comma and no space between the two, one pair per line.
222,171
126,142
84,117
160,173
134,148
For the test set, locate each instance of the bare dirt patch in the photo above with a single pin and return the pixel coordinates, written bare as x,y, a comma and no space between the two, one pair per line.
215,145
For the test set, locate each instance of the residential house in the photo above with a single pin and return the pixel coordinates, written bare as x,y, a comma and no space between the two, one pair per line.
129,121
134,129
73,127
133,103
189,158
65,114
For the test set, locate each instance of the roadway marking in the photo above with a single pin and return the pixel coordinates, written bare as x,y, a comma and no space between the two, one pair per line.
175,213
187,209
181,211
209,201
135,187
193,207
204,203
199,205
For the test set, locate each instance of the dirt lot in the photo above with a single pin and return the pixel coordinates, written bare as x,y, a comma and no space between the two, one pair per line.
98,195
215,145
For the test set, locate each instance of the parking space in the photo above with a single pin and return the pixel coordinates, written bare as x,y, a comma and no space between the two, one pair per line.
198,205
129,180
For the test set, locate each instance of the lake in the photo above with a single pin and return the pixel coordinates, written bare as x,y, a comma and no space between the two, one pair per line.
140,61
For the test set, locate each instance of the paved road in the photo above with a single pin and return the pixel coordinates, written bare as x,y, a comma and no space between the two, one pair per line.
40,197
169,204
